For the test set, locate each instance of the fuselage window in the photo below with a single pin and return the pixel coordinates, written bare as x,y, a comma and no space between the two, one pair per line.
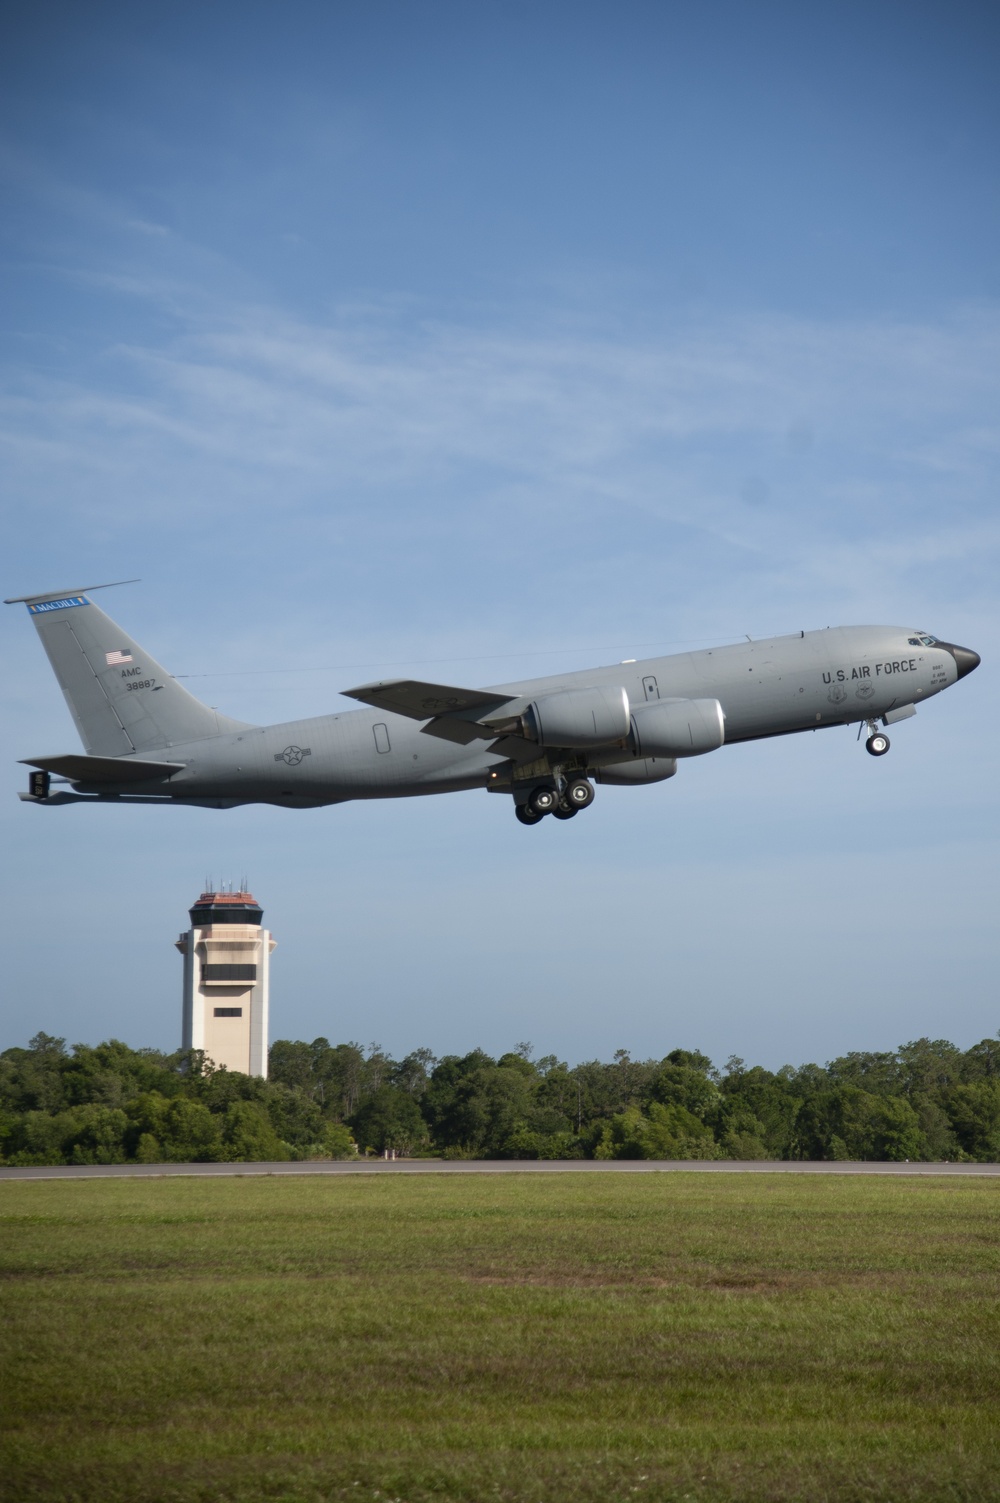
381,734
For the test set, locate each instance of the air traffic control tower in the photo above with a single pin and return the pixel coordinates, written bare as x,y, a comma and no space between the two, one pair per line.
226,972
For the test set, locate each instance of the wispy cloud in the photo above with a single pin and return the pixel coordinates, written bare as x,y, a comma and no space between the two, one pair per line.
145,227
617,417
833,459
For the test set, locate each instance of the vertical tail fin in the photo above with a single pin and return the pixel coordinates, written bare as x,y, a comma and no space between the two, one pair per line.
120,698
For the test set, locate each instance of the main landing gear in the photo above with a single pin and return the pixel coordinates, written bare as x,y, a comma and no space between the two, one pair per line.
575,795
878,742
526,814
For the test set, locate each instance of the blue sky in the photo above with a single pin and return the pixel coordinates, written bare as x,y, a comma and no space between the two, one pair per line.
472,341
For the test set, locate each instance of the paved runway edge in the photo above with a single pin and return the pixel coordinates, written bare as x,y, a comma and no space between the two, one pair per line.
14,1173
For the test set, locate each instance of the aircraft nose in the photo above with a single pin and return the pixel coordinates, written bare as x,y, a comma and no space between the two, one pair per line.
964,657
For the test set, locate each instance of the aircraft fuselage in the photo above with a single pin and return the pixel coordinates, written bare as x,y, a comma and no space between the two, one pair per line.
766,688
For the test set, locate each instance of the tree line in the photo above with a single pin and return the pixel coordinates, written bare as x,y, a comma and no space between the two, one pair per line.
927,1100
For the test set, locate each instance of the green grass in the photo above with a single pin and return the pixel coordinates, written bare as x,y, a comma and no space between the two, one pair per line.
539,1338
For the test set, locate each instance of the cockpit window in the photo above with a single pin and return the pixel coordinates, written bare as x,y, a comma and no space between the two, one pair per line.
921,641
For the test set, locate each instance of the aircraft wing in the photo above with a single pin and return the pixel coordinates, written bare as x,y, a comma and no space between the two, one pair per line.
420,701
82,769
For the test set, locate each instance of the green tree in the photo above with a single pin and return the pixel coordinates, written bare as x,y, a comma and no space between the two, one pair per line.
295,1116
874,1073
88,1134
443,1103
756,1114
147,1119
336,1141
32,1078
148,1149
981,1062
866,1127
494,1109
895,1131
928,1066
247,1134
340,1075
745,1142
219,1089
97,1135
191,1134
664,1132
111,1073
677,1083
974,1114
413,1072
939,1137
560,1090
291,1064
39,1138
390,1119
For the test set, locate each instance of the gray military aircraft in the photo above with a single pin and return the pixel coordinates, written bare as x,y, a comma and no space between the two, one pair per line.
540,741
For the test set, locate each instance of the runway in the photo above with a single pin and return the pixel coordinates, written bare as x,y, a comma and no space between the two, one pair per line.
491,1166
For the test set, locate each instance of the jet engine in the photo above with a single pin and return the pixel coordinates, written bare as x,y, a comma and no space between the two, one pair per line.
579,717
678,727
639,770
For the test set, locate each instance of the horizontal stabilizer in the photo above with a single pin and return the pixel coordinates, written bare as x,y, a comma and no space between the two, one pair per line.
80,769
420,701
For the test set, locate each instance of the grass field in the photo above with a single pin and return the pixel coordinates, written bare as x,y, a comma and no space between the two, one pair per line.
538,1338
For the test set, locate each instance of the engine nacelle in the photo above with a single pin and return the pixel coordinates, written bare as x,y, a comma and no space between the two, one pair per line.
678,727
639,770
579,717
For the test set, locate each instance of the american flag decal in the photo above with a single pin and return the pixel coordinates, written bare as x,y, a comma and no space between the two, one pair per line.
114,658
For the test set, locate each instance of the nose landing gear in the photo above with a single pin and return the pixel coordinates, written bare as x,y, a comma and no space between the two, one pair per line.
878,742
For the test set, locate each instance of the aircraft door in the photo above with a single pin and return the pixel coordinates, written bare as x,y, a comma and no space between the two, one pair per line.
650,688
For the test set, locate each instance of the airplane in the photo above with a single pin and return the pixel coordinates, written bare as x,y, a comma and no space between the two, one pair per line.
543,742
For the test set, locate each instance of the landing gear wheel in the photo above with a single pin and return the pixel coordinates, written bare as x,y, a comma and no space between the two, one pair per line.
877,745
526,814
543,800
579,793
565,811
